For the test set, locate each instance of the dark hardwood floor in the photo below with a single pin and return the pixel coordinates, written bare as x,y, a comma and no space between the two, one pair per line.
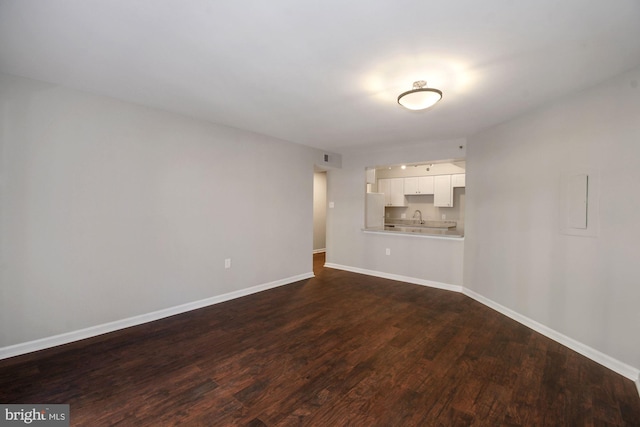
340,349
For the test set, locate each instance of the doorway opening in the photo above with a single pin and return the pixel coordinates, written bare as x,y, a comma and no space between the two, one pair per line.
319,211
319,216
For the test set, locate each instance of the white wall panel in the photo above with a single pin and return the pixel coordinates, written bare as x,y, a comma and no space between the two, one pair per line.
519,254
111,210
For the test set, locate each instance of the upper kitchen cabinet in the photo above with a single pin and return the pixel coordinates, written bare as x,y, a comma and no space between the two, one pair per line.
418,185
458,180
371,176
442,191
393,189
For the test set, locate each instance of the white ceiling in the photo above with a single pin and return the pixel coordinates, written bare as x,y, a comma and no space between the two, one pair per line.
325,73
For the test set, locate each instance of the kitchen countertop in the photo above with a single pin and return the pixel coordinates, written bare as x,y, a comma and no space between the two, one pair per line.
426,223
417,231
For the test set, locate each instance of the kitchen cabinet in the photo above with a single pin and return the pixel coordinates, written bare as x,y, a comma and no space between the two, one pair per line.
393,189
371,176
442,191
418,185
458,180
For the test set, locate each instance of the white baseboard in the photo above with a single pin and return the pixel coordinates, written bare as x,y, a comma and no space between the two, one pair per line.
397,277
638,385
593,354
319,251
56,340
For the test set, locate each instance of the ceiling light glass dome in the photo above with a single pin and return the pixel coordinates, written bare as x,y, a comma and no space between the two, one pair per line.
420,97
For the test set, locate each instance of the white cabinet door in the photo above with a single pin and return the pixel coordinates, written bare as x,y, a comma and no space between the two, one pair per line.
418,185
393,189
411,186
425,184
443,191
458,180
397,192
371,176
384,187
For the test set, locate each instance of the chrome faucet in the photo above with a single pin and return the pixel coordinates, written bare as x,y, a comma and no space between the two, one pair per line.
417,212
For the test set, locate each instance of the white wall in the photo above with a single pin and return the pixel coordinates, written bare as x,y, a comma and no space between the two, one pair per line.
437,261
111,210
586,288
319,211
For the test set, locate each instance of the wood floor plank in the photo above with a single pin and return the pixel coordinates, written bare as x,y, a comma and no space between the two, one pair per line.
341,349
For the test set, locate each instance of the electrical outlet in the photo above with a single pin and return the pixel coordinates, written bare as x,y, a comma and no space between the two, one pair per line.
387,251
444,216
227,263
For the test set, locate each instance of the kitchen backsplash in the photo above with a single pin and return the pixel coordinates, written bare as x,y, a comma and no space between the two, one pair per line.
424,204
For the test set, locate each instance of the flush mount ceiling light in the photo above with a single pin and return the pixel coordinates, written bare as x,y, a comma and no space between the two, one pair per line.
420,97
